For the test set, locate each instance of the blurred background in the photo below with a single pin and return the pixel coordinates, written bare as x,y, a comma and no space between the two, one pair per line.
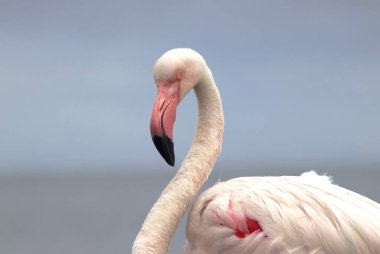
299,80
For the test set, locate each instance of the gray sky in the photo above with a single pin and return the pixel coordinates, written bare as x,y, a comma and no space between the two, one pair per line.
299,80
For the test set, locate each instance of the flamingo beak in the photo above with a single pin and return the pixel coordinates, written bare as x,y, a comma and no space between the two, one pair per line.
163,117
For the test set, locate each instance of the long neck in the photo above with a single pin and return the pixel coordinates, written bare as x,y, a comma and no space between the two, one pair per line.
166,214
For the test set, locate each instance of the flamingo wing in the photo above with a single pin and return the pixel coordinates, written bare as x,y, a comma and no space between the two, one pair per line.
290,214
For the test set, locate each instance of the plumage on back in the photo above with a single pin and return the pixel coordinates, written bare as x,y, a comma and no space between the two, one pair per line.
305,214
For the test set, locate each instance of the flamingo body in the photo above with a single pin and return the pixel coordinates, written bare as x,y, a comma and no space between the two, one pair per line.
306,214
247,215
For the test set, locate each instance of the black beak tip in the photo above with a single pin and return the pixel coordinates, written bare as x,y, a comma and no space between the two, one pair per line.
171,163
165,147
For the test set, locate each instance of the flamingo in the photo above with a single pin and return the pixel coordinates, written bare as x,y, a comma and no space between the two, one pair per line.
246,215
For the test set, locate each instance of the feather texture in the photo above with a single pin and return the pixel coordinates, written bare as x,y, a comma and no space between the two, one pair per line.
305,214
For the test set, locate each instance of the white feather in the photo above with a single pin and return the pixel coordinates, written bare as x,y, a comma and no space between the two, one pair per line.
298,215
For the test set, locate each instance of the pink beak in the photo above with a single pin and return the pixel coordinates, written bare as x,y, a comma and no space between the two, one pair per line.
163,117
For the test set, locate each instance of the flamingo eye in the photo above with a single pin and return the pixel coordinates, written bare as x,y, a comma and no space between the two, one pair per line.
179,76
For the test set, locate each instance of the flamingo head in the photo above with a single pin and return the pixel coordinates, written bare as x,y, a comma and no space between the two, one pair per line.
176,72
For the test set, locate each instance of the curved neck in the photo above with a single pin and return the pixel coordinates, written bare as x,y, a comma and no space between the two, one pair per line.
166,214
